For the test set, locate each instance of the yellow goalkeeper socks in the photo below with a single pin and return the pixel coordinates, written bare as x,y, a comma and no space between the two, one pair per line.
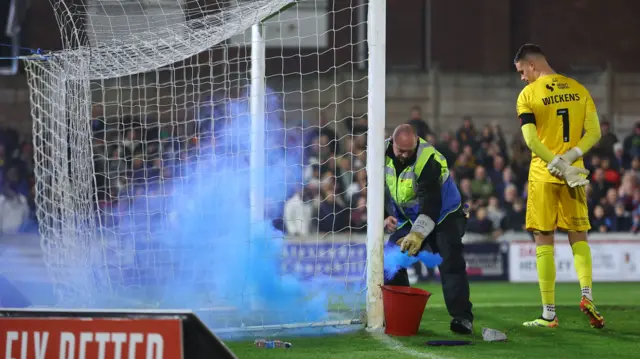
546,266
582,262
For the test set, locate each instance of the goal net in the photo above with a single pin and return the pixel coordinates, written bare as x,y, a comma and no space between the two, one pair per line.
186,158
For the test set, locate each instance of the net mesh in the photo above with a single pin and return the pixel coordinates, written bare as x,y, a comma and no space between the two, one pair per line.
142,127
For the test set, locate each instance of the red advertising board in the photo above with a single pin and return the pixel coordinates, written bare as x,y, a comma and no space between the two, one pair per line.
90,338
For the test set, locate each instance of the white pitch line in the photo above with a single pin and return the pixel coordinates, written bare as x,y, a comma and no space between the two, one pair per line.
397,346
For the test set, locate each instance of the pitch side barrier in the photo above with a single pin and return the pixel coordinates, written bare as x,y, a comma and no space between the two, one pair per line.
67,334
616,257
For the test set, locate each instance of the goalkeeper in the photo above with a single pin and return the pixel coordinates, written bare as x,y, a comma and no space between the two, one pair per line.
554,113
426,214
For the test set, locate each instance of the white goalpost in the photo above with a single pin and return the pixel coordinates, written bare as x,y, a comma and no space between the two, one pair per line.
377,37
223,156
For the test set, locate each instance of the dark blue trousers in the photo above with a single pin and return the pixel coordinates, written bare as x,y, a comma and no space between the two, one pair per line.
446,239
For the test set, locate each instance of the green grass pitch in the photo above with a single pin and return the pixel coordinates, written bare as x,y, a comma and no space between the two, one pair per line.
502,306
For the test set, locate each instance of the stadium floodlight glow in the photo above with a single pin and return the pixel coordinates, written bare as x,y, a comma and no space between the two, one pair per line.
168,137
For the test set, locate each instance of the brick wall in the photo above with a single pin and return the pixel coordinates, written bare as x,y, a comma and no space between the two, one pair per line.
583,33
471,36
483,35
477,37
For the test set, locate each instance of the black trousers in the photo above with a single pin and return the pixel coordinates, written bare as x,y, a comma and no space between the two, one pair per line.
446,239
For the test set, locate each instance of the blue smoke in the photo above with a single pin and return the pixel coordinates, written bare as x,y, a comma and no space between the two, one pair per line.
190,242
394,260
198,247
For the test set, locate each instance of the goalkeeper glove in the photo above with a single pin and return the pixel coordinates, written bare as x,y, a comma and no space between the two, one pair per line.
570,157
422,227
574,176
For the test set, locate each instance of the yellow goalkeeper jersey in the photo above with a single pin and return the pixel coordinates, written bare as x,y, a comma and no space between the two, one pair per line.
559,106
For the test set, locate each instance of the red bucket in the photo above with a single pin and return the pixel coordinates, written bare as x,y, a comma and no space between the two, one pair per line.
403,309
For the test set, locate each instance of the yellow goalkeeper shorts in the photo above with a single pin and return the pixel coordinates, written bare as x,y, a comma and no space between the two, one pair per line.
555,205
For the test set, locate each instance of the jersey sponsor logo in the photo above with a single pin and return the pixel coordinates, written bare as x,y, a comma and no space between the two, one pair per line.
555,83
100,338
560,98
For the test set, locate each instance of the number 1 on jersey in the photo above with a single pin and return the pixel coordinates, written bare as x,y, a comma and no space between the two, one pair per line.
565,123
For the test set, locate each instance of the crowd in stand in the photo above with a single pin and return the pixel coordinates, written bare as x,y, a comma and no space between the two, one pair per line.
17,207
490,171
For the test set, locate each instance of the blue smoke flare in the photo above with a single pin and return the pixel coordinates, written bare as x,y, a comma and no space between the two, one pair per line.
394,260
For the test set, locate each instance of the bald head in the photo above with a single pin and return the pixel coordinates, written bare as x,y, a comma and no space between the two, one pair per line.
405,142
405,137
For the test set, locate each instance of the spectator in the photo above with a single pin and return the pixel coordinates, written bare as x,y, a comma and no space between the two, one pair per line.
481,186
510,196
14,210
468,151
479,223
600,186
359,215
325,129
595,162
635,166
496,171
465,190
599,222
506,180
345,172
358,186
454,147
631,143
611,176
500,140
464,166
621,220
15,179
466,134
131,142
604,147
619,162
494,212
483,154
515,218
419,125
444,148
312,174
520,159
487,135
609,202
360,125
333,215
627,189
298,214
